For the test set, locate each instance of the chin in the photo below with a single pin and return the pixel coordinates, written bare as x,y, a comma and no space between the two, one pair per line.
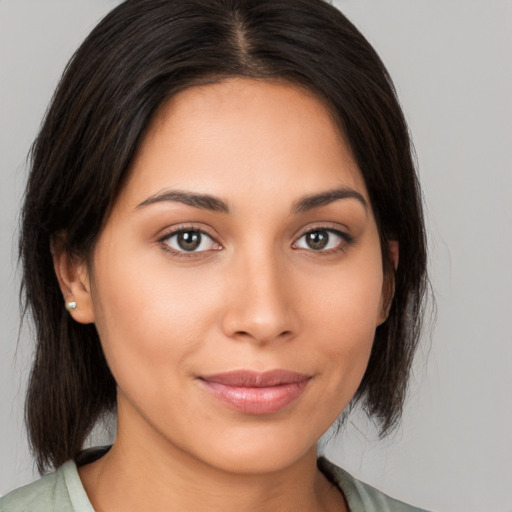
258,452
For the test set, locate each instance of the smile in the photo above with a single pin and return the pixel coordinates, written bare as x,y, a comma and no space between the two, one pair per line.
254,392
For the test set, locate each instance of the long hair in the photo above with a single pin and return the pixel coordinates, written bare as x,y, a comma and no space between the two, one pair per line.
139,55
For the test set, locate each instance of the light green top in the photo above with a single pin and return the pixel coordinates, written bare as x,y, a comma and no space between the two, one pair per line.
63,491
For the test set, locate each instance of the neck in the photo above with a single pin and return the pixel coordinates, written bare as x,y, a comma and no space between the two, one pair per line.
123,481
146,472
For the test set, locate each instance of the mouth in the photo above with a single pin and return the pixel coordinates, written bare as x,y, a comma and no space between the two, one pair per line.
256,392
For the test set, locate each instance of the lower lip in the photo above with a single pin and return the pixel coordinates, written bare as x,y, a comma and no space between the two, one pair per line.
256,400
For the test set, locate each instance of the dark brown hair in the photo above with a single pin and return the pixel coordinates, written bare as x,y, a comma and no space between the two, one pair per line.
140,54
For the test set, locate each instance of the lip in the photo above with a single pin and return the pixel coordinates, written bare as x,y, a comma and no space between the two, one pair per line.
256,392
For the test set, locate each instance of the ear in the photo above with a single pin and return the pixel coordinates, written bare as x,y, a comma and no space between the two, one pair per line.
388,286
394,252
73,277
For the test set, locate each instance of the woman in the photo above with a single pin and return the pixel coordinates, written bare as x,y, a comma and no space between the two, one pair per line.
223,197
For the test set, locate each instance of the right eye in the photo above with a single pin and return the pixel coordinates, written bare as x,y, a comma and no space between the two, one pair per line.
189,241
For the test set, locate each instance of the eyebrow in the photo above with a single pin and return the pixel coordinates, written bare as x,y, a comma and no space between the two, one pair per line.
208,202
203,201
329,196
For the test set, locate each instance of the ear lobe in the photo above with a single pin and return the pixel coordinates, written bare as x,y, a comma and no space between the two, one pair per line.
73,277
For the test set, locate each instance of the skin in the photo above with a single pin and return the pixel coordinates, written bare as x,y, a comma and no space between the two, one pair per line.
254,296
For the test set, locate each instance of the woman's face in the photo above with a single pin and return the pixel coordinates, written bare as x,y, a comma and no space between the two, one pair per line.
238,281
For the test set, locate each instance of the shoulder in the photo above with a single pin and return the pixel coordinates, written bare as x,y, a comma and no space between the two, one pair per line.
362,497
60,491
40,495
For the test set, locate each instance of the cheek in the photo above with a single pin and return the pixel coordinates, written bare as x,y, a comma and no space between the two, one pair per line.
350,299
346,312
149,315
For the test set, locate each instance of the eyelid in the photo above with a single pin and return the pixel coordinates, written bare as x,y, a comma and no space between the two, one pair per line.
347,239
176,230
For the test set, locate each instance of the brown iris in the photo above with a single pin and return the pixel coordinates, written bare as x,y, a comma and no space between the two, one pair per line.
317,240
189,240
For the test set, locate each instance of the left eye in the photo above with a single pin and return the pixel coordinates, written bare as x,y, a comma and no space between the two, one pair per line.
190,240
321,240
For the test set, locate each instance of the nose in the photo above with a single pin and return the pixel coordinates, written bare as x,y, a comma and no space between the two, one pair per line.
260,306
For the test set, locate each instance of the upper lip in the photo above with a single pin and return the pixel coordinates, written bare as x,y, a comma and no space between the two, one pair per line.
255,379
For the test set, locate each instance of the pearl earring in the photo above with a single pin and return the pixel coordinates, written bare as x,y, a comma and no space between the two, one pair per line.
71,306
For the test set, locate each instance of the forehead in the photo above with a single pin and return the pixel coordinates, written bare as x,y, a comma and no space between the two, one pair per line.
235,136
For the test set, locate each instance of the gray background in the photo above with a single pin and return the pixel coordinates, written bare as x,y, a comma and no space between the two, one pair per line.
452,63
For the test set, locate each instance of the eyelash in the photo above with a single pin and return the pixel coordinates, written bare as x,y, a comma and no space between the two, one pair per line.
164,241
345,241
